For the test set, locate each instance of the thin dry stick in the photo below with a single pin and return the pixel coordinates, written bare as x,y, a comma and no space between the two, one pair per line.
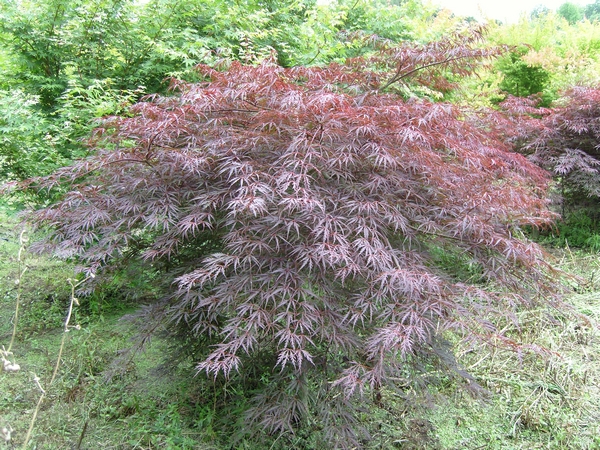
36,380
22,269
5,353
67,327
570,252
74,302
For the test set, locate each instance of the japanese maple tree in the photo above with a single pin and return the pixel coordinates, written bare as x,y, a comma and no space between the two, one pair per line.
564,139
302,213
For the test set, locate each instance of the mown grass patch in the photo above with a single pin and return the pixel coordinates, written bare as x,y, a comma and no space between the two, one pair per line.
549,400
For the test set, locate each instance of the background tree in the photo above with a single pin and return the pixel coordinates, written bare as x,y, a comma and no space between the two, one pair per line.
302,214
552,56
592,11
539,11
522,79
55,42
74,62
24,144
571,12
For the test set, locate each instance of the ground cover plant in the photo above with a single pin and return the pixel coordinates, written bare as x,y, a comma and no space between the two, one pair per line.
306,217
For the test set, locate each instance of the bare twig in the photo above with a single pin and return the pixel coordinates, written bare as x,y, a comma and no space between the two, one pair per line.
22,269
67,327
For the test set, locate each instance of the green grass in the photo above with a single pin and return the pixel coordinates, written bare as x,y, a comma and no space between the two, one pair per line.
549,401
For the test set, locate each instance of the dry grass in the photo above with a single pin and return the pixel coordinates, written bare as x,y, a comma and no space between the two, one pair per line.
549,400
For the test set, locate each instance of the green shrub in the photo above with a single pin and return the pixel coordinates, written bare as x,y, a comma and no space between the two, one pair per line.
579,229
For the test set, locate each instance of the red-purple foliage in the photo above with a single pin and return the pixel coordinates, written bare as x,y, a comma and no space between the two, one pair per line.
564,139
428,65
331,203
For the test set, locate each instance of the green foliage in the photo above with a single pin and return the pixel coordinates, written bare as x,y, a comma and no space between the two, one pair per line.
27,147
552,55
592,11
577,229
522,79
571,12
79,107
7,68
252,30
384,19
55,43
34,143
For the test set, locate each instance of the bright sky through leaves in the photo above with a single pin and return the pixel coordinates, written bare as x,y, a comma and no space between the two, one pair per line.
508,11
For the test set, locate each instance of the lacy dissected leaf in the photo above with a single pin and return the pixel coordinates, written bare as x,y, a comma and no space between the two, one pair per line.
564,139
